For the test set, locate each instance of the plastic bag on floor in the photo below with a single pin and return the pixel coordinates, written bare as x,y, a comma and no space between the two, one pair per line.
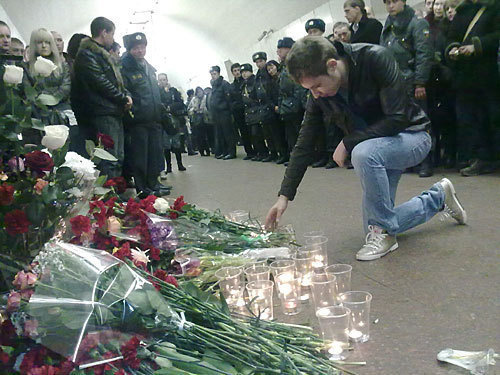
478,363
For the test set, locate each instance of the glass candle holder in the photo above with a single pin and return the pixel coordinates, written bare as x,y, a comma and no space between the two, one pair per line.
280,266
334,325
321,241
231,285
260,298
257,273
303,264
359,304
343,274
313,233
288,285
239,216
324,290
319,255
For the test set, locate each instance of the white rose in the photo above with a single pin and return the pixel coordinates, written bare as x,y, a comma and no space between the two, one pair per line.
13,75
44,67
161,205
55,136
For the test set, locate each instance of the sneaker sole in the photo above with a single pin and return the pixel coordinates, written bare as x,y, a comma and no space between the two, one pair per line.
377,256
457,201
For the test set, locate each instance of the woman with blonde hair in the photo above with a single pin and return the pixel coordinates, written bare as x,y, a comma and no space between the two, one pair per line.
53,88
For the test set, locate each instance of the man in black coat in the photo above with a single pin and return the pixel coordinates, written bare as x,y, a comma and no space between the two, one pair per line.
98,95
239,111
472,54
143,122
363,29
220,105
386,133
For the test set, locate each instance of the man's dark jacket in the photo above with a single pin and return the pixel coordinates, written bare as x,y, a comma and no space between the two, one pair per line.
236,96
292,96
376,94
408,38
368,31
97,88
480,69
140,81
221,95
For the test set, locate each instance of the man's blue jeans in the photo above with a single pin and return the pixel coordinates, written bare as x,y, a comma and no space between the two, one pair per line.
379,163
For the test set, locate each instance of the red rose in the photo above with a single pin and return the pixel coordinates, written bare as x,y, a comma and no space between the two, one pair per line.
162,275
38,161
6,194
123,252
118,183
16,222
106,140
80,224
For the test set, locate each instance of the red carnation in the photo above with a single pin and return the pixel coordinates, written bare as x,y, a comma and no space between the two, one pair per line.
162,275
106,141
133,208
177,207
147,204
118,183
16,222
129,352
6,194
154,253
80,224
38,161
123,252
44,370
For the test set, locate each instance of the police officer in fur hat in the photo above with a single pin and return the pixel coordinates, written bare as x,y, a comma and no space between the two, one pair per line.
315,27
143,122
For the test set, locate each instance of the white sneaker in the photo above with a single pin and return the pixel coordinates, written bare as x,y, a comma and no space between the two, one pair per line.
452,206
378,243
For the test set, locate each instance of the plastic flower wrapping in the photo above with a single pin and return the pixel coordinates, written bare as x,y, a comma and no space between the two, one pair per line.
85,296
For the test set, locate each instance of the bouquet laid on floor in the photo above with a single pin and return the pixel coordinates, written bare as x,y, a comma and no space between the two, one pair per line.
98,315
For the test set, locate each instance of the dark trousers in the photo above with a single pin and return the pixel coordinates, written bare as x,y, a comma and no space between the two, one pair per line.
245,133
112,126
292,126
145,156
278,135
268,136
225,136
202,137
258,140
478,117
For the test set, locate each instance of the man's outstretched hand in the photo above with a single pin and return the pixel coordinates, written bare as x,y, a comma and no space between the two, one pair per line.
274,215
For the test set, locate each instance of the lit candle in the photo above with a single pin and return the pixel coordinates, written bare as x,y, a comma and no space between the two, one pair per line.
285,289
336,348
291,304
355,334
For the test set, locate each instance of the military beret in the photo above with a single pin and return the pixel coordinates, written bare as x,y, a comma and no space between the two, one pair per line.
247,67
315,23
215,68
259,55
131,40
286,42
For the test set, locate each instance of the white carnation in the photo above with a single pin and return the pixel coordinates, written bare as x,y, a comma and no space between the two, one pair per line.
161,205
81,167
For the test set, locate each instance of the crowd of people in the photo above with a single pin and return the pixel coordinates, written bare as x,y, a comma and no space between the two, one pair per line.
447,56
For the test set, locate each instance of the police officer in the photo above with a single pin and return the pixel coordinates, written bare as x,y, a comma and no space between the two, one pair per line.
408,38
143,122
291,98
266,105
315,27
220,105
239,111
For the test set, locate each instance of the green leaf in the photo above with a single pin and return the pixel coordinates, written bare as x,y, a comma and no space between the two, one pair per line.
89,147
213,359
101,180
7,349
37,124
205,221
36,212
163,362
30,92
49,193
104,155
159,304
47,99
99,190
64,174
59,155
139,299
191,289
171,371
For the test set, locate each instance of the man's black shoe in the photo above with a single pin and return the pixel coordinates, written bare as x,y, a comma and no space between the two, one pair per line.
286,163
331,164
229,157
219,156
268,159
249,157
320,163
426,170
282,160
192,153
478,167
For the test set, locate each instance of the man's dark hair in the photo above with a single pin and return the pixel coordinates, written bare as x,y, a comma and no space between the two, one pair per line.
99,24
308,57
357,3
235,65
74,44
190,92
115,46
